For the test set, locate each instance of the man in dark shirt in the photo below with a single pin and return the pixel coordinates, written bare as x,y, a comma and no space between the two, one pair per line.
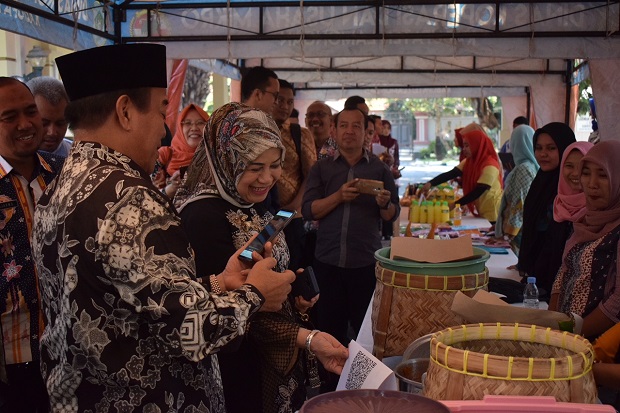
349,225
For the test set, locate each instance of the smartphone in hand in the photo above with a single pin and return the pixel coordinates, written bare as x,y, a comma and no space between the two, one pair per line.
305,285
369,186
268,234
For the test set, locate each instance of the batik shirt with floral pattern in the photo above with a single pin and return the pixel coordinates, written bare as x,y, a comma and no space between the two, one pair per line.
127,327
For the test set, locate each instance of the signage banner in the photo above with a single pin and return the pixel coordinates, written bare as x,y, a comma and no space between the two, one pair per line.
40,28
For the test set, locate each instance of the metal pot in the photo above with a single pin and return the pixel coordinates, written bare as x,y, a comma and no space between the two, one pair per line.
409,374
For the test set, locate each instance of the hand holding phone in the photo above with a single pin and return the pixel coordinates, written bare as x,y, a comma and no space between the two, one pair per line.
305,285
369,186
268,234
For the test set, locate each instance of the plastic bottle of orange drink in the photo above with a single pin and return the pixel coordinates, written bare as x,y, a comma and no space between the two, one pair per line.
458,215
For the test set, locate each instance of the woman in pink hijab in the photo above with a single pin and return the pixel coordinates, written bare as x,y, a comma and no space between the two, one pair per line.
588,282
570,202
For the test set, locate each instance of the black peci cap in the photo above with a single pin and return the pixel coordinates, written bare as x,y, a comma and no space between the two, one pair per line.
109,68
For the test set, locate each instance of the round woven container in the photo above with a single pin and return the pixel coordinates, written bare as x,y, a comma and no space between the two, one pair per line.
471,361
408,305
471,266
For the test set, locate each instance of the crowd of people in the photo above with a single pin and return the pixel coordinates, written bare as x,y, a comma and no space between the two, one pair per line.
123,289
560,212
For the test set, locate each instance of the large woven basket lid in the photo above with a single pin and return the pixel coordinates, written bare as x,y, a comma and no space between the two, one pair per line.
372,401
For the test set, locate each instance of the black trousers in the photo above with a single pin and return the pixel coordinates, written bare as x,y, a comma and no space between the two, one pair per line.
26,392
345,295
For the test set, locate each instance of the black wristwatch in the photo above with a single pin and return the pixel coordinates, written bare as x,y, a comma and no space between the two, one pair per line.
386,205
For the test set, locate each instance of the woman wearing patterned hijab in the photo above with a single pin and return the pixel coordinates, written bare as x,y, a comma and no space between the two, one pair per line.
233,170
510,216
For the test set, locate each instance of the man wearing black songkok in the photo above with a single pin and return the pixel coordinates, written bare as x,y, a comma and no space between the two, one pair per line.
127,326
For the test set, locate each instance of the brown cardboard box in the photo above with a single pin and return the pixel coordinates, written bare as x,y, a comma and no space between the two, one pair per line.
485,307
432,250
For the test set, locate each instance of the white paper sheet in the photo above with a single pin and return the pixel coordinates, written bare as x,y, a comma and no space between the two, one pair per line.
378,149
362,370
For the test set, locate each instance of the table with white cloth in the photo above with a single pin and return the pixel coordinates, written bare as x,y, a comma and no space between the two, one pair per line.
498,267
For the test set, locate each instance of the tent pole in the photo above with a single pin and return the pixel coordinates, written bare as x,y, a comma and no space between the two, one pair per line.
528,93
568,78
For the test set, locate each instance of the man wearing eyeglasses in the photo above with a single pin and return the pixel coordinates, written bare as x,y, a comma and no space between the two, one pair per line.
260,89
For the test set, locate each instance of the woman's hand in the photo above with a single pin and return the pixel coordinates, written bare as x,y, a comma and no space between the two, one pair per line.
234,280
236,271
302,305
426,188
329,351
172,184
159,180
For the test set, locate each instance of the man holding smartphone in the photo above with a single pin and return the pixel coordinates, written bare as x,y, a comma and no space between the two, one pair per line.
127,325
349,223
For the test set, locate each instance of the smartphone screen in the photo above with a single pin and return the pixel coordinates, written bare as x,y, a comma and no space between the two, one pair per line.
271,230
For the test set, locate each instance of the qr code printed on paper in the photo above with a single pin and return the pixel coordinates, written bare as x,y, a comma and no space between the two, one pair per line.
361,367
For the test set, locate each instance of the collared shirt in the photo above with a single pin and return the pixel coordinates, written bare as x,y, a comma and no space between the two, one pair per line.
328,149
350,234
127,327
64,148
295,169
20,316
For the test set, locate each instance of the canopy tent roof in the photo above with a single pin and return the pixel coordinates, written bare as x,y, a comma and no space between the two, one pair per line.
326,48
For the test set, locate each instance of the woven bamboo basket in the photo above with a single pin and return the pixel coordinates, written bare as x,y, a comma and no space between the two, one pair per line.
471,361
408,306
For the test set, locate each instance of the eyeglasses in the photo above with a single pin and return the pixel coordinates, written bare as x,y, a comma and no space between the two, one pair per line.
274,94
199,124
317,114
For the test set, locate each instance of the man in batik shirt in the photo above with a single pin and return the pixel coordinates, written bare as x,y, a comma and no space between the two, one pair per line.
24,175
128,327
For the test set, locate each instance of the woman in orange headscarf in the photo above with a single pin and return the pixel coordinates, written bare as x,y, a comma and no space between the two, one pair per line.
481,175
173,159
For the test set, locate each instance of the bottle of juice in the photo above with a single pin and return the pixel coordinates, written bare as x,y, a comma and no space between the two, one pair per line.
437,212
458,215
445,212
424,212
450,198
414,211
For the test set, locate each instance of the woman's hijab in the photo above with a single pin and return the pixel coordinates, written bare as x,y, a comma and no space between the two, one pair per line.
458,135
234,137
542,192
482,155
570,205
182,152
595,224
522,145
522,148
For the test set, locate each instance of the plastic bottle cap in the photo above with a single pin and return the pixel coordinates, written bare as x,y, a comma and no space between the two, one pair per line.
531,280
